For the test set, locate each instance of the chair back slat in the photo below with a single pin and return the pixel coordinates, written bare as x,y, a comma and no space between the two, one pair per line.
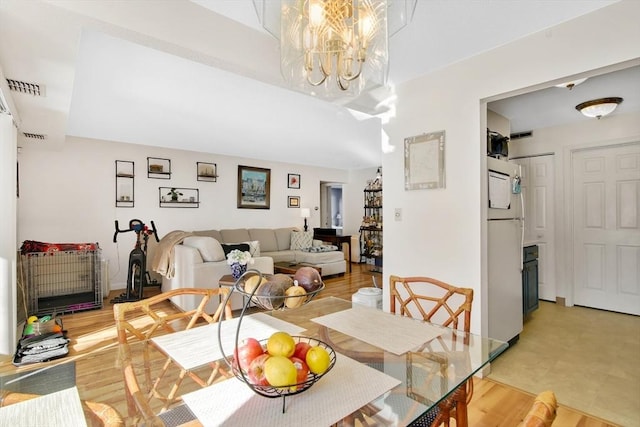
150,383
434,300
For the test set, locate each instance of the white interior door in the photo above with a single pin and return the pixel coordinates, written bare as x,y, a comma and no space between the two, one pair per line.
538,193
606,224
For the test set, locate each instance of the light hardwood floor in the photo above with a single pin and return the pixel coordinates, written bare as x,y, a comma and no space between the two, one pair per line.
588,357
94,350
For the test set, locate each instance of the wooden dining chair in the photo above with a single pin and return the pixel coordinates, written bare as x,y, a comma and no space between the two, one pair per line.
543,410
152,379
441,303
96,414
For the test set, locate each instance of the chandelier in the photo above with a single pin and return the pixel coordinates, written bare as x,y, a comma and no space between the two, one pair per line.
334,48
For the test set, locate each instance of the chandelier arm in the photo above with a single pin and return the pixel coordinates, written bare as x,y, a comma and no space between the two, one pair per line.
355,76
315,83
340,84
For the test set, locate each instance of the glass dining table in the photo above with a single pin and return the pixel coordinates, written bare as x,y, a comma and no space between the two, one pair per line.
389,370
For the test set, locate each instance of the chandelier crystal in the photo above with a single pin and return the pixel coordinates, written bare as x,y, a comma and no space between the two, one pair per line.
334,48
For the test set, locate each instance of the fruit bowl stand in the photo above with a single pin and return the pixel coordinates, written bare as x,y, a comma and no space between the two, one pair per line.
273,303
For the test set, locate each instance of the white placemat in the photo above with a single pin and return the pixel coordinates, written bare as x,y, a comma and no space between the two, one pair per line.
396,334
62,408
198,346
347,387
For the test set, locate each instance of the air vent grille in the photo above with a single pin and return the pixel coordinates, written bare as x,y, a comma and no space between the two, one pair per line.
37,136
521,135
34,89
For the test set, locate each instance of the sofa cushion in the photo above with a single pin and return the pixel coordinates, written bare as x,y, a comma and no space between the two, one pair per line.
283,237
210,233
266,237
209,248
319,258
254,247
301,240
244,247
235,235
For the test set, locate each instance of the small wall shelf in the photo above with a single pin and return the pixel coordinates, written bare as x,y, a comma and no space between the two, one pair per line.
174,197
158,168
207,171
125,178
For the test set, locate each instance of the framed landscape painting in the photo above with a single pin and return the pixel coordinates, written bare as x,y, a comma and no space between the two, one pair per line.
254,187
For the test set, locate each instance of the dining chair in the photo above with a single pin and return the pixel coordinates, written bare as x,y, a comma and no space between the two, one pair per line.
543,410
441,303
152,379
96,414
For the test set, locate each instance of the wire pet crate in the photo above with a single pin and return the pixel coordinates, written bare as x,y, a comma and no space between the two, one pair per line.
62,278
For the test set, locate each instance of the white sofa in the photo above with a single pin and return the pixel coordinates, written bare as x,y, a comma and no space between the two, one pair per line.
200,261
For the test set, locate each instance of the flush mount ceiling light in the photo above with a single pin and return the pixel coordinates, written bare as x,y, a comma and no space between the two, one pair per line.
599,107
570,85
334,48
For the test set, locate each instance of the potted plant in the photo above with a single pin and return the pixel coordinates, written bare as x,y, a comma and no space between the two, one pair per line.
174,194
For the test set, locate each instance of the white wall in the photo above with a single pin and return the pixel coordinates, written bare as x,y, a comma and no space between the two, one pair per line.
7,235
443,231
69,196
561,140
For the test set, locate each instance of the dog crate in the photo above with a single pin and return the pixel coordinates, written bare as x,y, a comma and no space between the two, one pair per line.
62,277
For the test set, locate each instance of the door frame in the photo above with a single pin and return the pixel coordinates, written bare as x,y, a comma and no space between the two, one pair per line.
567,168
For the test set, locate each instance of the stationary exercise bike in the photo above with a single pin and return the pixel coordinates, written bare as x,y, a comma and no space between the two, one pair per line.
138,277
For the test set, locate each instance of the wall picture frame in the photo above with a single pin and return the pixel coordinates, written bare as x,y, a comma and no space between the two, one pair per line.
293,201
293,180
424,166
254,187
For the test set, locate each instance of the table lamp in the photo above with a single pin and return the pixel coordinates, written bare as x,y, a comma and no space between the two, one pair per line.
305,213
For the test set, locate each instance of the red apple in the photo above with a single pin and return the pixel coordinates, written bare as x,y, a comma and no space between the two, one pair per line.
301,350
248,351
256,370
302,369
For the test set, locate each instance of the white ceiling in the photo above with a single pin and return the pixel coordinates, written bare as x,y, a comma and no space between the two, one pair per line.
188,75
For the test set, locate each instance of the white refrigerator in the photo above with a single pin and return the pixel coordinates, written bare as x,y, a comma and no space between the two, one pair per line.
505,240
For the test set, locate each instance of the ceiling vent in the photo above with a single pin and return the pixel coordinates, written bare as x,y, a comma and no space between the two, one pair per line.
37,136
34,89
520,135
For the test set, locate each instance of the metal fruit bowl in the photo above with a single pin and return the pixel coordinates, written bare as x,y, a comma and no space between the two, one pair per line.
289,390
274,302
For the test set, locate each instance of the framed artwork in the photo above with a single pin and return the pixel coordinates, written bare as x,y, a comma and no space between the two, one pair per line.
207,171
424,161
293,201
254,187
293,180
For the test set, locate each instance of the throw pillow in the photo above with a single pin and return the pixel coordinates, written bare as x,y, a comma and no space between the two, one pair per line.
229,247
254,247
209,248
301,240
321,248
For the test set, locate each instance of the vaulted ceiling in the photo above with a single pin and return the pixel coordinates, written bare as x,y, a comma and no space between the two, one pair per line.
203,75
